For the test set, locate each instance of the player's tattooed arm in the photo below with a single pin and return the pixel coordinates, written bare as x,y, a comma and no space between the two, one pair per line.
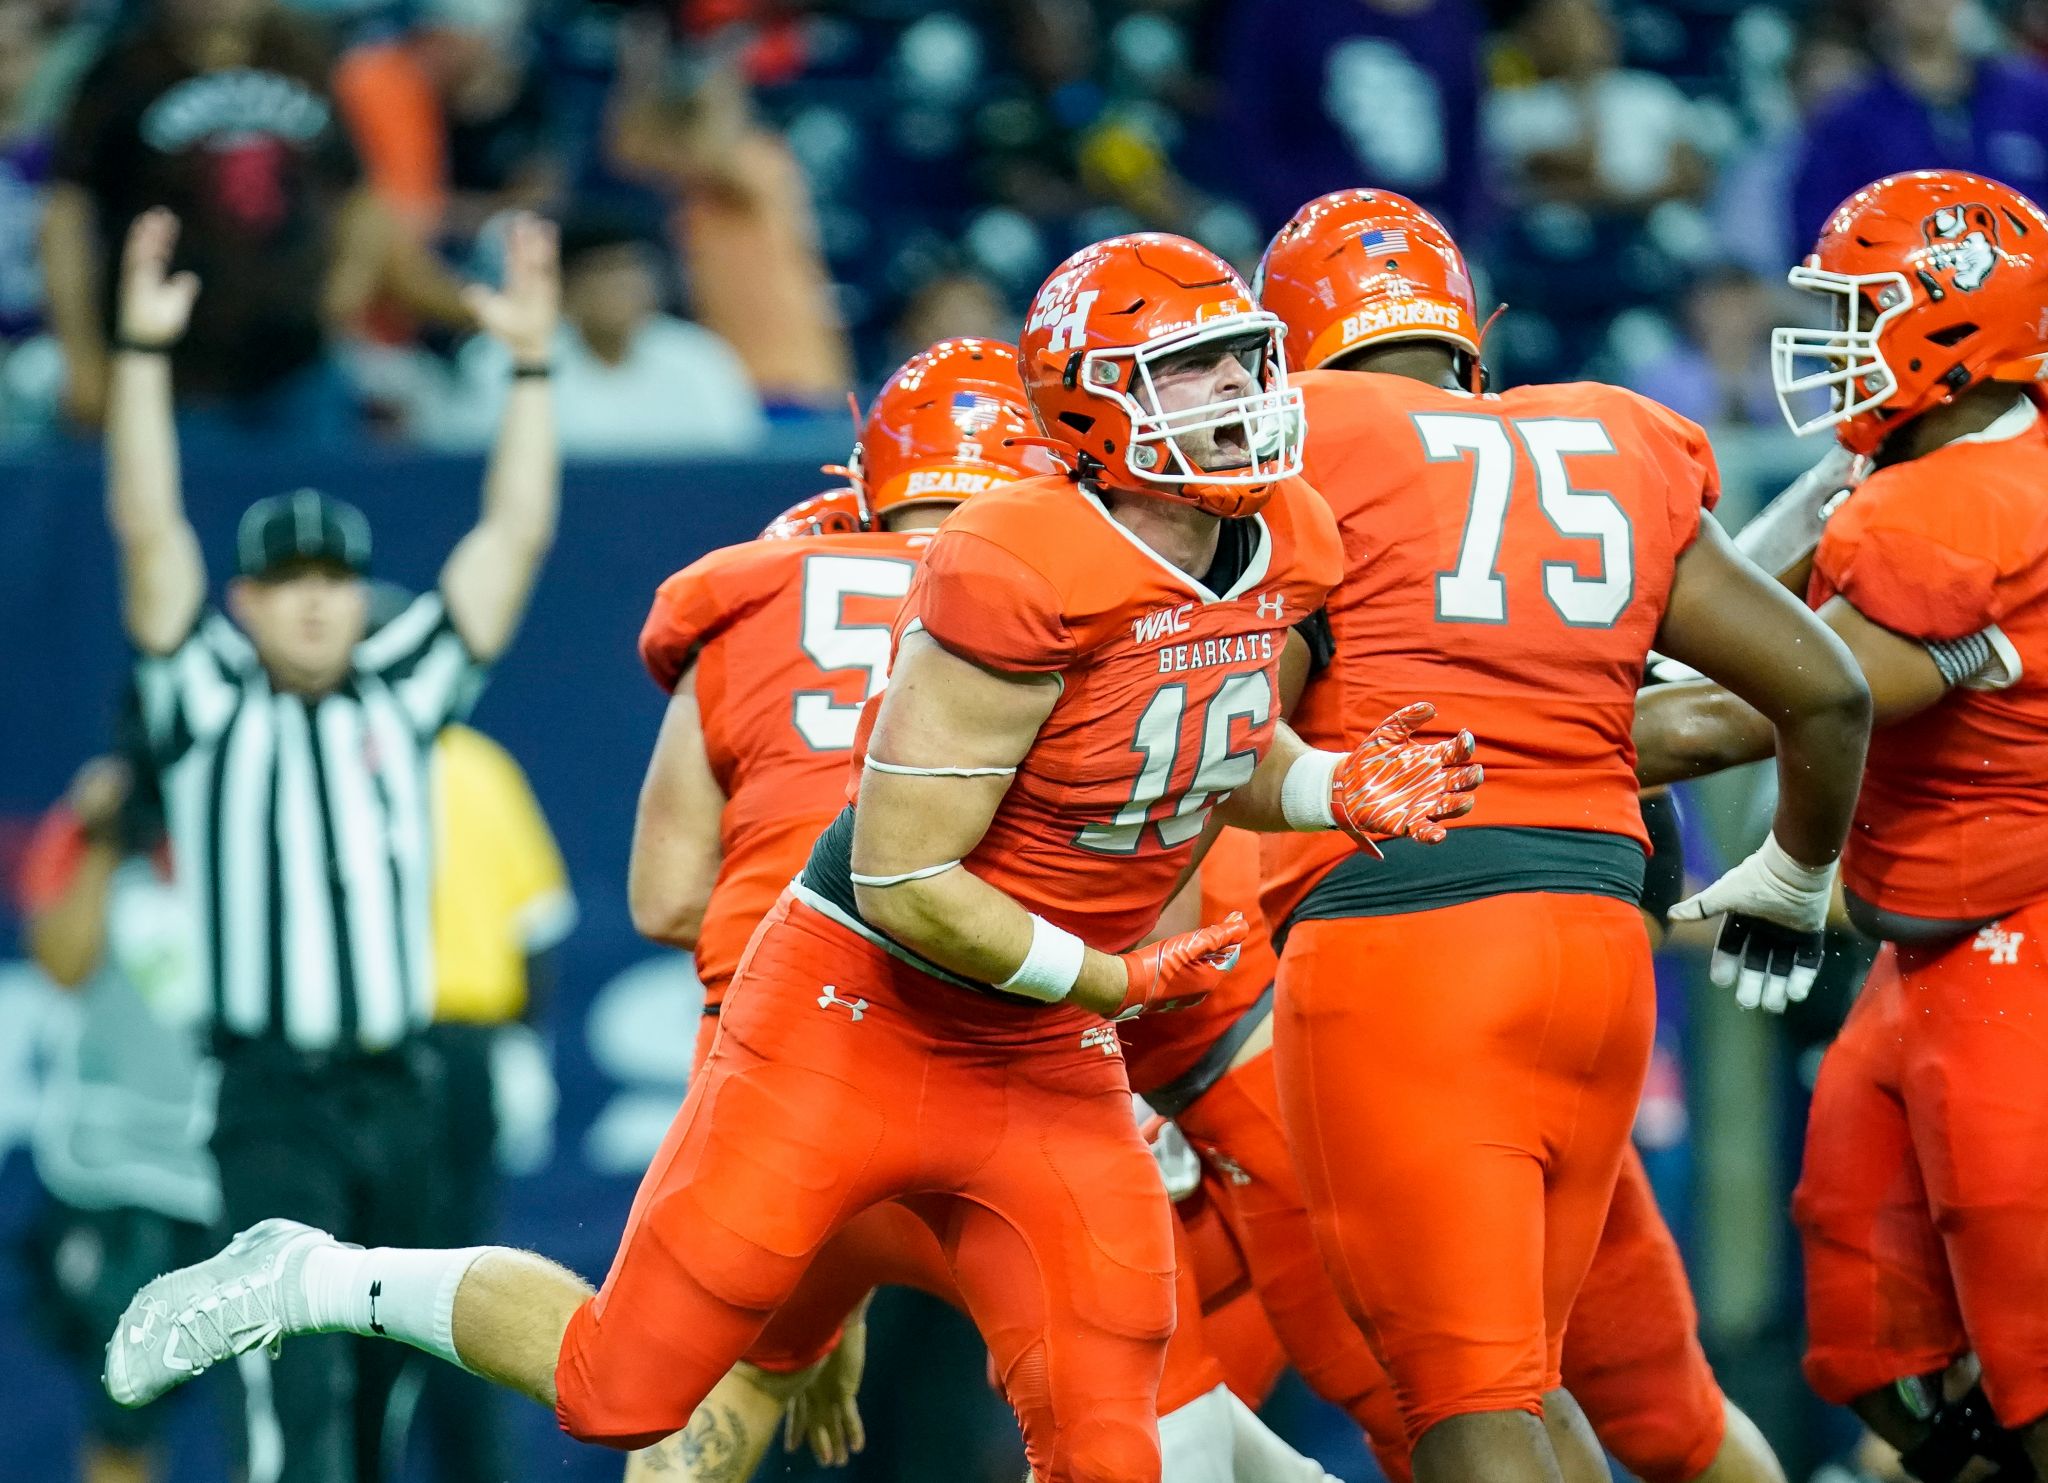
676,848
711,1449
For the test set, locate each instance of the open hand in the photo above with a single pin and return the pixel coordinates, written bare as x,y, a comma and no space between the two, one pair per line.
155,304
523,313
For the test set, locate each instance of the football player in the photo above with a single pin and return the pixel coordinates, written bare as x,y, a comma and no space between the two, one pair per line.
1461,1042
1083,671
1924,1188
755,645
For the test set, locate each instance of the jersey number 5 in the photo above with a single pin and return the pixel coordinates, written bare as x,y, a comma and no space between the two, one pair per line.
833,644
1473,591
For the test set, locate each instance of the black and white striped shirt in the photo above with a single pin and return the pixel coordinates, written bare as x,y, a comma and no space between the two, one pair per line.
301,828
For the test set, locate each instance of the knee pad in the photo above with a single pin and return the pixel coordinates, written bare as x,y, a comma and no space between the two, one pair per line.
1964,1430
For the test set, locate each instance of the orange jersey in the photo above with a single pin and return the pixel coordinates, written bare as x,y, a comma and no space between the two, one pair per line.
1168,695
1953,818
1160,1048
790,638
1509,558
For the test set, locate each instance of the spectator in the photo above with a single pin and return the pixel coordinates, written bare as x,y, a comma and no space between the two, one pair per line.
294,757
451,119
220,109
1719,374
1325,94
1934,105
955,303
743,218
24,180
120,1137
629,379
1588,132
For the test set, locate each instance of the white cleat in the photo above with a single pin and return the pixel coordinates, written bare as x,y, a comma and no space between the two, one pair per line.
189,1320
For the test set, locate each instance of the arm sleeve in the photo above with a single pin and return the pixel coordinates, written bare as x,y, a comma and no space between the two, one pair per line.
988,605
191,694
423,659
1321,639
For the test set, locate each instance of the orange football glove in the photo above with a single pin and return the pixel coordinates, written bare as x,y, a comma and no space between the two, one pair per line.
1392,785
1178,971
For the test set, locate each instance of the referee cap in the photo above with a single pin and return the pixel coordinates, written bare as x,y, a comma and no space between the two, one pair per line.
304,525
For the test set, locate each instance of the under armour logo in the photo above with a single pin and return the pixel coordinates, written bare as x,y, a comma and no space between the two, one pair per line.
831,997
1273,605
2003,946
1103,1038
376,1292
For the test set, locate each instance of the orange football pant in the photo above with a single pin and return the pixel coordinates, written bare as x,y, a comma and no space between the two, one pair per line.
1923,1197
841,1078
1458,1087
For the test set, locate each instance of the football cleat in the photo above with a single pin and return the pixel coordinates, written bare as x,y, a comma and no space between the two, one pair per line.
187,1321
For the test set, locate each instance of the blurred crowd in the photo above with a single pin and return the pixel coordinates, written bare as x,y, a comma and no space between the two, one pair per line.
767,203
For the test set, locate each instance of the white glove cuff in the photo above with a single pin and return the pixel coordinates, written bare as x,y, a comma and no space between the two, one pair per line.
1305,791
1051,965
1807,880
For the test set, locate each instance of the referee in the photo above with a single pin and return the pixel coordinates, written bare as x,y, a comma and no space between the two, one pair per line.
294,759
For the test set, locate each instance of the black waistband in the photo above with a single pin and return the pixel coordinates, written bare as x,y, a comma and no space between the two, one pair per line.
1178,1095
1472,864
1909,931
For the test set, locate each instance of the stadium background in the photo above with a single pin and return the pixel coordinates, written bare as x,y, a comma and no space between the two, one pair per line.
950,153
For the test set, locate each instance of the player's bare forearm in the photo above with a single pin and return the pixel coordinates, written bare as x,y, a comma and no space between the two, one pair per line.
1694,729
490,575
1740,628
1256,806
964,924
676,848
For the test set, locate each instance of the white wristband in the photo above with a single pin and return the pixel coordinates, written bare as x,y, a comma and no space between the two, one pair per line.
1051,965
1305,791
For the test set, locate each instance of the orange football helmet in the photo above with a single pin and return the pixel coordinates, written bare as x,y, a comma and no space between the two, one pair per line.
1939,281
1100,327
941,428
836,512
1363,267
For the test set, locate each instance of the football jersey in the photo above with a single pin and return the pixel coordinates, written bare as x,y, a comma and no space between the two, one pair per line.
789,637
1952,821
1509,558
1161,1048
1167,691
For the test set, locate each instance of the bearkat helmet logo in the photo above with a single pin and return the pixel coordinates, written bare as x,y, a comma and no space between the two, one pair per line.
1962,242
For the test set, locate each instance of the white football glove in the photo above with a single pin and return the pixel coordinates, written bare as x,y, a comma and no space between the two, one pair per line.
1770,944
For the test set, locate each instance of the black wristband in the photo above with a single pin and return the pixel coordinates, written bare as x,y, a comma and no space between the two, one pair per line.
539,372
141,347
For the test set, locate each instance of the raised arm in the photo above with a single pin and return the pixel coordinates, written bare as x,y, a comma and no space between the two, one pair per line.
675,832
946,743
489,575
163,576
